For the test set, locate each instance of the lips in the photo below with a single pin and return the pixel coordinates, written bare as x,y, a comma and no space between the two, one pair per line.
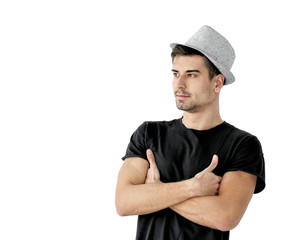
182,94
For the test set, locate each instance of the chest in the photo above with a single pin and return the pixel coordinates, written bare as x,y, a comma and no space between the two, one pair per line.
182,157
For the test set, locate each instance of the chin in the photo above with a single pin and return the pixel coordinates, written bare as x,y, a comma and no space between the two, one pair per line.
187,108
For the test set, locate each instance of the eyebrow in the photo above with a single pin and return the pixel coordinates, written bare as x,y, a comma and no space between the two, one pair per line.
188,71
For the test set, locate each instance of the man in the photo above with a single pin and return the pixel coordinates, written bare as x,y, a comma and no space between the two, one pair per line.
192,178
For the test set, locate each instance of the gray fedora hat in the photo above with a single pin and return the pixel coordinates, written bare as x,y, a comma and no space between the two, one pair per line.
215,47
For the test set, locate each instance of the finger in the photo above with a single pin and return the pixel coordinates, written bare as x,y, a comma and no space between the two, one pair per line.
213,164
150,156
219,179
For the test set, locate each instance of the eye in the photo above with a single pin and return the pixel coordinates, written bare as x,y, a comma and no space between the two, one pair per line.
175,74
191,75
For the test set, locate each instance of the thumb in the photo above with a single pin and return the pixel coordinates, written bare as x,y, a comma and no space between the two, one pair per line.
151,157
213,164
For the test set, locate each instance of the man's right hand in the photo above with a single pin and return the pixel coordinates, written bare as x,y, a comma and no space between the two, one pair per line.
153,174
206,182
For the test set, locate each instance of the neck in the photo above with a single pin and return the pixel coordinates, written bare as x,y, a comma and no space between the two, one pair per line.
202,120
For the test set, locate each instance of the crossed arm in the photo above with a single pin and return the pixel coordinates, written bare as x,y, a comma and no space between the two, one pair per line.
205,199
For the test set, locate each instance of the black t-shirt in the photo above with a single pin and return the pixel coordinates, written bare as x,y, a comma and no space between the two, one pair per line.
180,154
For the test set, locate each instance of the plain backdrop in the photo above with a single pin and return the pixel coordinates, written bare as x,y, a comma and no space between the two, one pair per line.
78,77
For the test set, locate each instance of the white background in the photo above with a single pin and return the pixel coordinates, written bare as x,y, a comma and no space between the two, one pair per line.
78,77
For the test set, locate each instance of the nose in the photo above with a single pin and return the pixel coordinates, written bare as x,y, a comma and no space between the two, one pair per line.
181,82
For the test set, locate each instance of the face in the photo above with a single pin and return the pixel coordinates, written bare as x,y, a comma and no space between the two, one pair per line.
194,90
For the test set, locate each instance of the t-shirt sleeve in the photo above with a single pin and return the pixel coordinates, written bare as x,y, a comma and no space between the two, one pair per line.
249,158
137,146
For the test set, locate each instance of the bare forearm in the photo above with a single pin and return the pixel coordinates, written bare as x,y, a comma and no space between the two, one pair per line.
224,211
209,211
133,197
147,198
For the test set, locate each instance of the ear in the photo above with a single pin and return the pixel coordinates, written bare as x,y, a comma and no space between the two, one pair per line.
219,82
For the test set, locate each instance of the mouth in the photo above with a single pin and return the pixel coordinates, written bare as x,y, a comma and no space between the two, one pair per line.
182,96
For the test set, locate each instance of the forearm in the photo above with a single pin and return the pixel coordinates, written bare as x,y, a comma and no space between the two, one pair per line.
224,211
136,198
209,211
147,198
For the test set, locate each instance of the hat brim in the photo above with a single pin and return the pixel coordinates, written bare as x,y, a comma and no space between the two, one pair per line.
230,78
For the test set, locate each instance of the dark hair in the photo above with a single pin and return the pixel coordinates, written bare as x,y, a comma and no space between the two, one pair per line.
187,51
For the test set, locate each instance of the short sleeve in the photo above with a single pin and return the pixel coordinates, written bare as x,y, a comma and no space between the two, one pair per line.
137,146
249,158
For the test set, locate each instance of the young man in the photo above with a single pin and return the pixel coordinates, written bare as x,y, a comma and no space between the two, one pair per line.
192,178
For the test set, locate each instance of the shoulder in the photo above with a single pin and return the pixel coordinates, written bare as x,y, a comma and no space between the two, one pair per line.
162,123
241,136
150,129
152,126
238,132
247,155
244,145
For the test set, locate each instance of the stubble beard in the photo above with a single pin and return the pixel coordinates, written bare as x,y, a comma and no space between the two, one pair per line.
188,107
181,105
